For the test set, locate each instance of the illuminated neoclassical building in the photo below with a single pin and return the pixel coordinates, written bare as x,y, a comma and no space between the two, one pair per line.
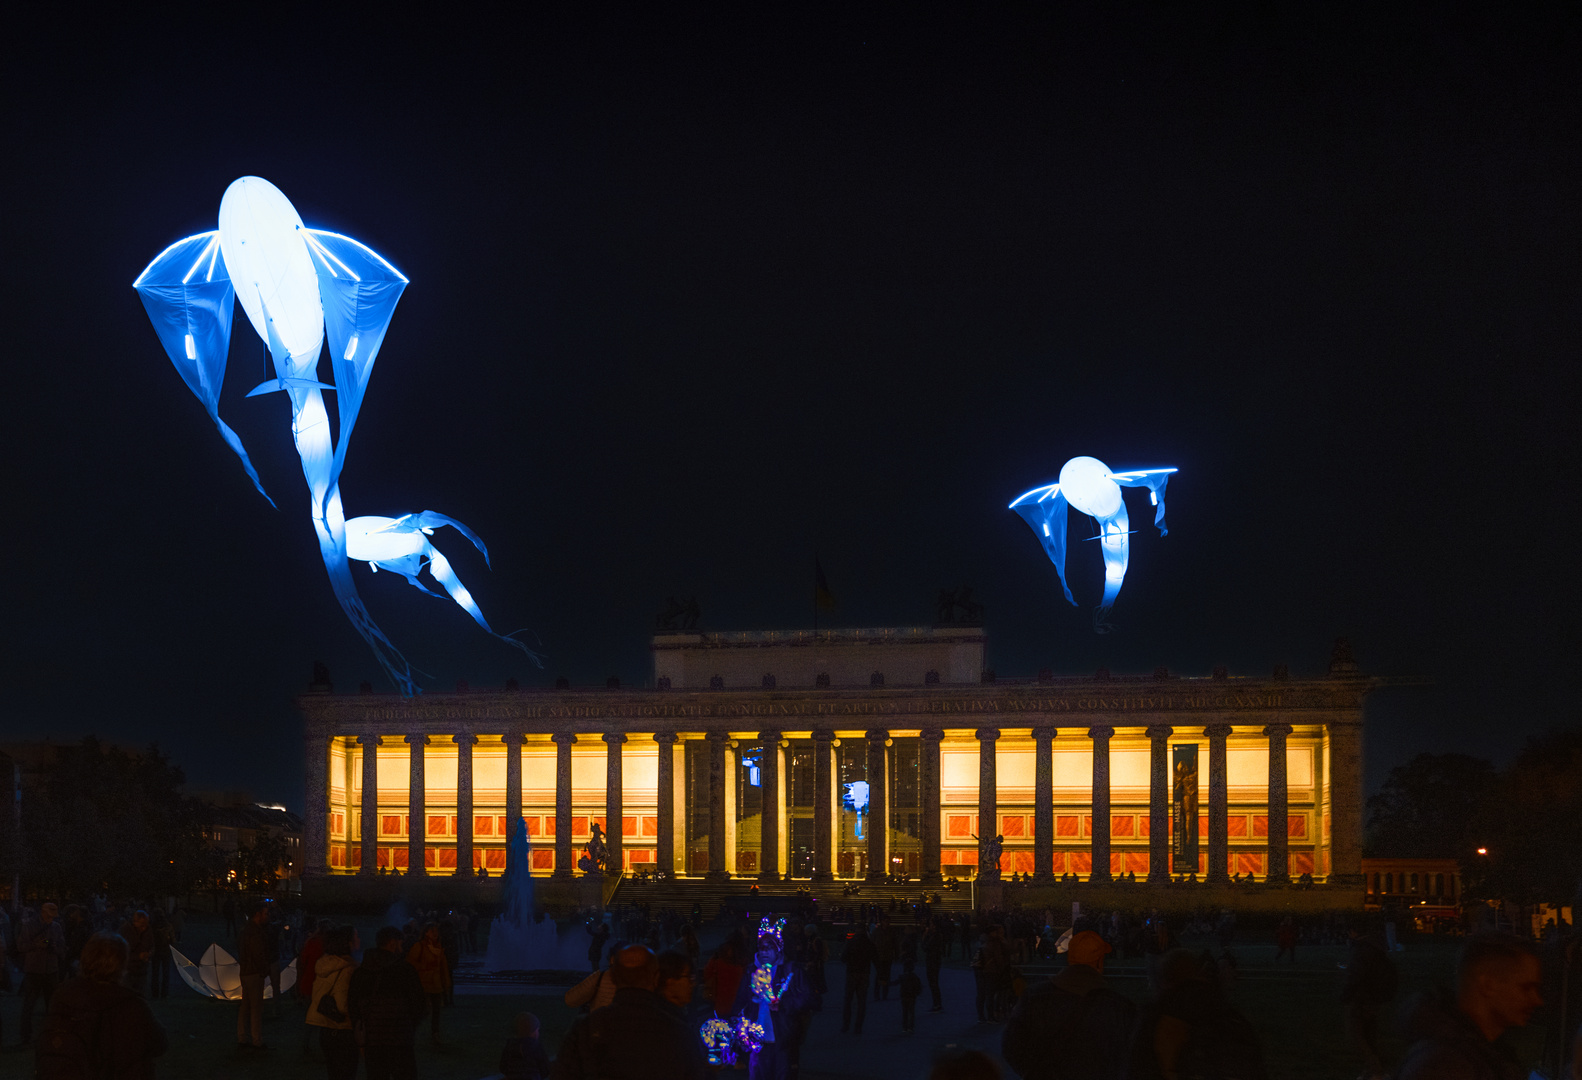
847,754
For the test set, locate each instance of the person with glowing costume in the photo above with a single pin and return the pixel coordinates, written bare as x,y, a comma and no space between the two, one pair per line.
763,1026
1087,484
299,286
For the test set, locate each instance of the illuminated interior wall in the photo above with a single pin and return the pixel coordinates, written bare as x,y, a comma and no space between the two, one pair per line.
1247,760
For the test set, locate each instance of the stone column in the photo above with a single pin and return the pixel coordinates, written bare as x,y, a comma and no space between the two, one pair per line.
769,831
1218,806
717,851
1159,804
1101,735
417,808
1279,826
564,741
666,855
1044,804
370,810
464,744
613,833
988,803
513,789
878,808
823,798
1346,801
315,826
928,776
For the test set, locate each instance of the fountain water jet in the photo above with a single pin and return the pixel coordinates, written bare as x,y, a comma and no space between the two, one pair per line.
518,942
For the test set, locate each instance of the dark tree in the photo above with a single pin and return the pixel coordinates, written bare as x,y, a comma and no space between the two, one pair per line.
1428,808
1530,823
258,867
100,818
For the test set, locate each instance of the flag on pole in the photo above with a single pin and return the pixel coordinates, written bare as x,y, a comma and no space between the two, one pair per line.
822,597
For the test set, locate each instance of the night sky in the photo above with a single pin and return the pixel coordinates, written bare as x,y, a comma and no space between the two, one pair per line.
700,293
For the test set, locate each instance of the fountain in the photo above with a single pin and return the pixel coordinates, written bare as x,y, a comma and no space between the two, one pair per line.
517,941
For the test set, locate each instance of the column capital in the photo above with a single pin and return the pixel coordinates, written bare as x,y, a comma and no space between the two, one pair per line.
665,738
717,736
770,736
1218,731
563,738
987,734
876,734
514,738
825,737
1045,731
932,734
1160,731
369,740
464,739
415,740
1277,729
1101,731
613,737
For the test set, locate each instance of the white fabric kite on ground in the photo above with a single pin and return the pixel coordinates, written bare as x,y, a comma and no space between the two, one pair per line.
219,975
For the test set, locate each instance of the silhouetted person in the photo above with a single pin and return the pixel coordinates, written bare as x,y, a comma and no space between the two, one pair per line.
1370,984
955,1064
638,1036
386,1000
1074,1026
42,944
329,1007
254,957
1497,989
523,1057
96,1022
138,932
1189,1029
858,958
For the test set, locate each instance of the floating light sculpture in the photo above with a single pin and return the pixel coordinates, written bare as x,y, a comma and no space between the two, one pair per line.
298,287
1087,484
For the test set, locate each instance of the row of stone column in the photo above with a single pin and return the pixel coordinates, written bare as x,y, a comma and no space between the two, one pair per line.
823,802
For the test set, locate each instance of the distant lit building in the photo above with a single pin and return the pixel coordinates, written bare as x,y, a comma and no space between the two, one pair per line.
747,754
233,822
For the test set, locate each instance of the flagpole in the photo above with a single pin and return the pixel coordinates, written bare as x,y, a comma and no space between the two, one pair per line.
815,597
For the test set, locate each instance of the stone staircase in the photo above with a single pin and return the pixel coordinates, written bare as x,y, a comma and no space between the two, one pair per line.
682,893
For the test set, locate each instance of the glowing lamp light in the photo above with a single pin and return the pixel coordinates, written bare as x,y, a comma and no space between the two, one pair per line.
1089,485
1483,851
298,287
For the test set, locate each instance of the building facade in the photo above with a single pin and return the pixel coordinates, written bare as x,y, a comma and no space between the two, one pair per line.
848,754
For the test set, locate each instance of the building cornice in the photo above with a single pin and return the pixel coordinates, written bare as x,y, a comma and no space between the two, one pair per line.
1075,703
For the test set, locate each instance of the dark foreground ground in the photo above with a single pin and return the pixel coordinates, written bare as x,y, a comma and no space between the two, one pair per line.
1295,1007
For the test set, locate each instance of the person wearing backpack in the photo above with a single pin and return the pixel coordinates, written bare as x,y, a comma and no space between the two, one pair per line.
1074,1025
329,1009
97,1027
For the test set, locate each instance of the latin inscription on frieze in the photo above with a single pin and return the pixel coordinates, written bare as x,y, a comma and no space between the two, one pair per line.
728,709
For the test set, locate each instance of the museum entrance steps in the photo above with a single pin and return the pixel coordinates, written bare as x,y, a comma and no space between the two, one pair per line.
682,893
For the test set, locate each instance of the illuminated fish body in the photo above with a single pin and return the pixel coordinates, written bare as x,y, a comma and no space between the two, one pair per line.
299,287
1089,486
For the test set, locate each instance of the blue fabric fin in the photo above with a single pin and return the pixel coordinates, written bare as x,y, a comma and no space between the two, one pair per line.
189,299
1047,516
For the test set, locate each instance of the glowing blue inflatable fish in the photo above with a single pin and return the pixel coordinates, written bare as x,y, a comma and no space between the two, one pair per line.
298,287
1088,485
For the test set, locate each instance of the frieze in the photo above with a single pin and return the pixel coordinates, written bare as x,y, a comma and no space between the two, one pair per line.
500,708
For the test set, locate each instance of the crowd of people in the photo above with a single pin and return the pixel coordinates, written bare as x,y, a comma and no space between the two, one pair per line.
89,970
